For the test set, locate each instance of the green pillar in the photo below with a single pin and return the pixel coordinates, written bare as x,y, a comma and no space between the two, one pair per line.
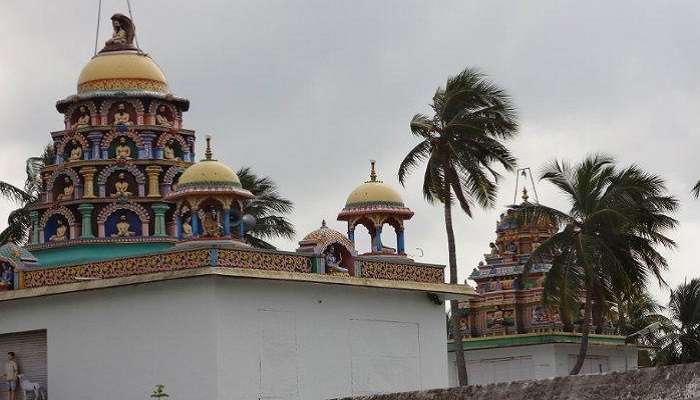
159,210
34,215
86,212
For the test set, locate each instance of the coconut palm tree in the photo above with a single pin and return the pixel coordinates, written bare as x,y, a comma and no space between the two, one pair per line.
268,208
461,143
19,222
607,244
680,339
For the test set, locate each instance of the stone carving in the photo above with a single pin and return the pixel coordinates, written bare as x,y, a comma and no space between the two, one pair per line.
76,152
121,187
187,228
67,190
161,118
61,231
211,225
121,117
123,151
123,228
84,118
169,150
123,34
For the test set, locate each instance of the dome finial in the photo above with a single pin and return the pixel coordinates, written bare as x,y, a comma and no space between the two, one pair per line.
373,172
525,196
208,153
323,224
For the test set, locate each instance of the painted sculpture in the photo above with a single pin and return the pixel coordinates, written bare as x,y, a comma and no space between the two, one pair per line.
121,117
83,119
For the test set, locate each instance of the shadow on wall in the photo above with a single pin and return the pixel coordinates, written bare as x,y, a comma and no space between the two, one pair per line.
668,383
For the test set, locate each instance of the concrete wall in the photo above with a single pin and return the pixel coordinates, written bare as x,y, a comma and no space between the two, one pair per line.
222,338
668,383
538,361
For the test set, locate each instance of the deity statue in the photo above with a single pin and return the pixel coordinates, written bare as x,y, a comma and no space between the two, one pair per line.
333,263
76,152
187,228
83,119
123,227
211,225
121,187
123,35
123,150
161,118
494,249
7,277
61,231
67,190
169,150
121,117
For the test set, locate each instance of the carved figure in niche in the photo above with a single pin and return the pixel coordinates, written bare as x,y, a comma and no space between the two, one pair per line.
121,117
494,249
508,319
162,118
123,34
187,227
334,261
61,232
511,248
67,190
83,119
169,150
76,152
121,187
123,228
7,277
211,225
123,151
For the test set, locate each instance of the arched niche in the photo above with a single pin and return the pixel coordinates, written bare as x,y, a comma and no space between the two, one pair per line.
212,214
131,107
170,179
109,177
63,185
57,225
342,256
137,218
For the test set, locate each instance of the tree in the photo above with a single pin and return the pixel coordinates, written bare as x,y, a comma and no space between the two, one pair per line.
680,339
460,143
19,222
269,209
608,238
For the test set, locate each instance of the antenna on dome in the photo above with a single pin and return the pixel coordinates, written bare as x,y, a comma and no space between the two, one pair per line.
97,32
131,15
525,173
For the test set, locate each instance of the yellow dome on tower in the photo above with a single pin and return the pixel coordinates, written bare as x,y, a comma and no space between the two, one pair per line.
374,192
127,70
209,171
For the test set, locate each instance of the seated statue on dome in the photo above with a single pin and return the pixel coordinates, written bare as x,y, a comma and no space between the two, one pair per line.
169,150
83,119
121,187
123,35
76,152
211,225
123,228
67,190
123,150
121,117
333,263
187,228
161,118
61,231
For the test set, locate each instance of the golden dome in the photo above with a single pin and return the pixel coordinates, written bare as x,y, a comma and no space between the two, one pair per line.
122,71
373,192
209,171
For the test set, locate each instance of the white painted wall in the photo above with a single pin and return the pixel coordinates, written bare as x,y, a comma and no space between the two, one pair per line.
222,338
539,361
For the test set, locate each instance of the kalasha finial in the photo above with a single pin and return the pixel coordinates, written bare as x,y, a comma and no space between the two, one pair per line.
208,153
323,224
525,196
373,172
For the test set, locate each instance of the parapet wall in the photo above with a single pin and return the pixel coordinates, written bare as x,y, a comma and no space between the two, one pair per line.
666,383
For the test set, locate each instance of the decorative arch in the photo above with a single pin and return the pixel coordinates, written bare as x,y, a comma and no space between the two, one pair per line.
164,137
132,169
112,135
171,173
68,114
69,172
61,147
153,107
114,207
61,210
107,105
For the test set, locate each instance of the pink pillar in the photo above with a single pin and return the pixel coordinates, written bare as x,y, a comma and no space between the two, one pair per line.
101,229
144,229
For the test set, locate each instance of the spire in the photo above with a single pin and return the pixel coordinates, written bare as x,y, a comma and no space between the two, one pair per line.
207,153
323,224
525,196
372,172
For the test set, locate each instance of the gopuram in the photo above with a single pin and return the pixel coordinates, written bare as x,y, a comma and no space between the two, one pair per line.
510,335
137,272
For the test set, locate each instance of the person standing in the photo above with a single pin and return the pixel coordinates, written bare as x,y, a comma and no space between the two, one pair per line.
11,372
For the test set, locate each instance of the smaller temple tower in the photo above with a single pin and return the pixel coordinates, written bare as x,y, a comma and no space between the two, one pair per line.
375,204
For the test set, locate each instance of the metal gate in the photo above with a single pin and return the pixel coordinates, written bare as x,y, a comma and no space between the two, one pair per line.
30,350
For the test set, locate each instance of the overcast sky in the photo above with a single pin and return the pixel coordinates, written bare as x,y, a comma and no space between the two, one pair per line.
308,92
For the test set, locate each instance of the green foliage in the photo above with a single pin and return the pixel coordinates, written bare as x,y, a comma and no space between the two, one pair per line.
607,245
159,392
679,341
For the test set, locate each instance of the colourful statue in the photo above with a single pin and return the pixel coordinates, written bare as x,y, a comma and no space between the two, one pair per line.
61,231
83,119
123,228
67,190
121,187
169,150
123,35
333,263
121,117
187,228
76,152
123,151
211,225
161,118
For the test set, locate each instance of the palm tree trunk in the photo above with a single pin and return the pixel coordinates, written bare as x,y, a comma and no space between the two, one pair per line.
456,331
585,331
